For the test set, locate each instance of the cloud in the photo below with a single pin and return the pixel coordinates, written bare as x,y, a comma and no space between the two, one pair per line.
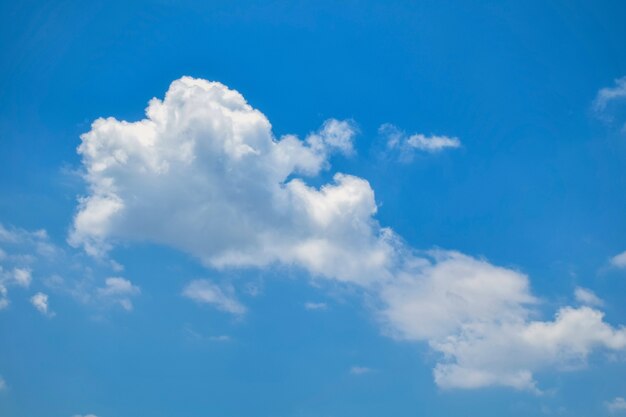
479,317
84,415
619,260
587,297
315,306
207,161
609,94
360,370
204,173
3,384
618,404
118,290
406,145
22,249
204,291
40,302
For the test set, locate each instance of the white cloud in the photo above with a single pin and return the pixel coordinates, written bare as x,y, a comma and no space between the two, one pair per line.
406,145
22,276
204,291
619,260
617,405
609,94
480,319
118,290
587,297
315,306
207,161
360,370
40,302
85,415
203,173
3,384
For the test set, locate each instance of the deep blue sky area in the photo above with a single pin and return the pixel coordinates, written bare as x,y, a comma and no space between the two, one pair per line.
538,186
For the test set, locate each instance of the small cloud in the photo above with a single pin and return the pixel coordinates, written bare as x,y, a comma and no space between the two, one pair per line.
360,370
221,338
587,297
609,94
22,276
4,300
619,260
84,415
204,291
315,306
119,290
40,302
617,405
334,135
406,145
3,384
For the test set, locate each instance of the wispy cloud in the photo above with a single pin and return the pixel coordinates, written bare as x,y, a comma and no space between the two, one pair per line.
618,404
397,141
607,95
360,370
315,306
587,297
205,292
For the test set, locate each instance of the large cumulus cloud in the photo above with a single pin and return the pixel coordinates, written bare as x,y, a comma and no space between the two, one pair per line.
204,173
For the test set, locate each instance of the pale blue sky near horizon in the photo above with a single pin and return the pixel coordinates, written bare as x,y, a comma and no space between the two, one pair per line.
537,186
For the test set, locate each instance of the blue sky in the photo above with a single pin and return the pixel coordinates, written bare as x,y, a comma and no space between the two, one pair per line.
328,210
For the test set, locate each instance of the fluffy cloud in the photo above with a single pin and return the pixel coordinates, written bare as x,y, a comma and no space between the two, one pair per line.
204,291
480,318
406,145
3,384
203,173
40,302
617,405
619,260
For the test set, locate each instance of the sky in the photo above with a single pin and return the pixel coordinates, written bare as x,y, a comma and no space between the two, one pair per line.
312,208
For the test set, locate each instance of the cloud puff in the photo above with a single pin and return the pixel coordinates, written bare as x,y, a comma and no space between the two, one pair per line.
3,384
203,173
40,302
204,291
406,145
617,405
619,260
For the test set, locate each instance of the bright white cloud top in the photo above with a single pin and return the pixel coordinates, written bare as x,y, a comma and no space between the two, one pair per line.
203,173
